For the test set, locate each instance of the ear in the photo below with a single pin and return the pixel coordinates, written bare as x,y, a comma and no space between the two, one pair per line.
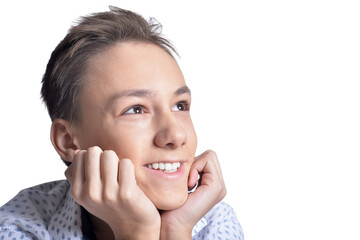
63,139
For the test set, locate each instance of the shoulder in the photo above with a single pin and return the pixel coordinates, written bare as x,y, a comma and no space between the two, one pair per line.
31,209
47,195
219,223
49,187
35,195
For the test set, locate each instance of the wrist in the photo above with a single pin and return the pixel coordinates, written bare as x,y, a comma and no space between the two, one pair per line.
175,236
172,233
139,232
136,235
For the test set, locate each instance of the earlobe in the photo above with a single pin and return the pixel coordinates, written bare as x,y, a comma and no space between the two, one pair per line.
63,139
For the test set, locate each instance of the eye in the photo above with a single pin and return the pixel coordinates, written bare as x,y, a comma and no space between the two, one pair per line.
181,106
135,110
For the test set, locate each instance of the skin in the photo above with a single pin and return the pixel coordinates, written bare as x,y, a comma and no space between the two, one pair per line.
134,112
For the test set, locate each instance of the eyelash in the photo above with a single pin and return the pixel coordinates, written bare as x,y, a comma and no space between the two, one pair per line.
185,104
133,107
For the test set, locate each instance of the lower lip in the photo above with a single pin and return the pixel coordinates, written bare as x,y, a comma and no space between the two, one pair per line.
172,175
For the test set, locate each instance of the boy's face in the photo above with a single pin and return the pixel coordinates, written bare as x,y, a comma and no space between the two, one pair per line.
135,102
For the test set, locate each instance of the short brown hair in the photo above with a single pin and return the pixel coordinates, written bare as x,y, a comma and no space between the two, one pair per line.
64,76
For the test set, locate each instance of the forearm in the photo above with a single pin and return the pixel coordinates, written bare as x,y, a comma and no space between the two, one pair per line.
151,233
175,234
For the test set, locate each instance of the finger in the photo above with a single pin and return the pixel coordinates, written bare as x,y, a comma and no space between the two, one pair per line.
76,152
205,163
109,168
212,159
215,160
126,178
208,166
193,177
211,190
196,169
78,173
70,169
92,165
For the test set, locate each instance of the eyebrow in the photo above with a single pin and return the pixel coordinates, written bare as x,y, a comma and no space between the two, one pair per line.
144,93
182,90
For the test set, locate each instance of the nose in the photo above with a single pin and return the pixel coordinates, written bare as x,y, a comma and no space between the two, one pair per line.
171,134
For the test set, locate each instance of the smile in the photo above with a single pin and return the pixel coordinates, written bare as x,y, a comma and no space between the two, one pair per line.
165,167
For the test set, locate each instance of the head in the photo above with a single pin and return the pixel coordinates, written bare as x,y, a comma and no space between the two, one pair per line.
114,83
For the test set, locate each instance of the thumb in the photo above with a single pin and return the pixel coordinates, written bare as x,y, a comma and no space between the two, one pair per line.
196,170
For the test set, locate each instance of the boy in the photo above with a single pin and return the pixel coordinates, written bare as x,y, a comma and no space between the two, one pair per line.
119,107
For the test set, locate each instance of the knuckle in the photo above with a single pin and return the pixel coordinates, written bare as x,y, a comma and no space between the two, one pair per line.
92,194
109,197
221,193
219,188
211,154
76,193
126,195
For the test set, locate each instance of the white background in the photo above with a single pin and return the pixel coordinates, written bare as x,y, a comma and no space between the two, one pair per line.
276,93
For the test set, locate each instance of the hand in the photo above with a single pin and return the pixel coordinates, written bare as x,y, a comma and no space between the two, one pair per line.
106,187
178,223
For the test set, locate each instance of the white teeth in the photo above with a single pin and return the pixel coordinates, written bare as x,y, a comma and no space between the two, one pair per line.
166,167
155,165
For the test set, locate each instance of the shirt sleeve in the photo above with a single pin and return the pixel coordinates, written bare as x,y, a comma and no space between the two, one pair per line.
43,212
222,223
14,234
230,227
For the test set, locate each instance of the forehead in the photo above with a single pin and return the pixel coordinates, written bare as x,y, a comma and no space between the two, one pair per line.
129,66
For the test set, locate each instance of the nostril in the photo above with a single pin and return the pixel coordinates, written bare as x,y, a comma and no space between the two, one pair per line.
171,134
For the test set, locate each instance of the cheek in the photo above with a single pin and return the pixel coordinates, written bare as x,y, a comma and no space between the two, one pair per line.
128,142
192,137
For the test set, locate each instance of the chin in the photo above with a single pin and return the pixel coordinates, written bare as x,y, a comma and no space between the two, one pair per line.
171,201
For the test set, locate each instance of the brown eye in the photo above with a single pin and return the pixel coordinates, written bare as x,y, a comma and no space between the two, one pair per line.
181,106
138,110
135,110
